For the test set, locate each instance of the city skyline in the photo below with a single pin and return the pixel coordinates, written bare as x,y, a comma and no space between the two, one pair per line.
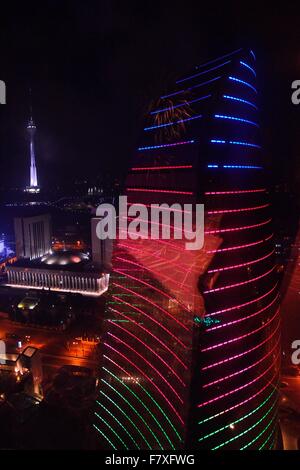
149,228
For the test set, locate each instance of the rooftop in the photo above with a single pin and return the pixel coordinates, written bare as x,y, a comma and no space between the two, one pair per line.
64,260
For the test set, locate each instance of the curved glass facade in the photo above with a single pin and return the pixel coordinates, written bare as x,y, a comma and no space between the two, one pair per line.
191,345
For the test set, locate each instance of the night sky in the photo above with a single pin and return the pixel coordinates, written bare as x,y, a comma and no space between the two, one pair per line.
95,66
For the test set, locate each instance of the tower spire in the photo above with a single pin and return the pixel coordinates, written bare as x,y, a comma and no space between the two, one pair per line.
31,129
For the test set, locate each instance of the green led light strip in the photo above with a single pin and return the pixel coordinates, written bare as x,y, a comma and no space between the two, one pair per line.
167,418
154,401
146,407
129,404
119,423
272,444
268,437
264,430
112,430
238,420
246,430
237,405
129,419
105,437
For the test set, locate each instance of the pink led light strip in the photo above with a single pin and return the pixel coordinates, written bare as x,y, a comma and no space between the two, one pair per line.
148,316
234,322
168,191
242,305
220,193
148,332
231,211
156,404
128,247
119,340
238,338
270,382
238,247
160,308
150,349
169,226
147,284
153,168
244,353
156,206
231,286
148,378
245,368
235,229
224,395
248,263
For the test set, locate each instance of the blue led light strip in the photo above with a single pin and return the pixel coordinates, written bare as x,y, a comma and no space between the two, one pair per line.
204,83
190,88
180,105
233,118
219,58
248,67
234,98
250,167
253,55
204,71
234,142
173,123
238,80
153,147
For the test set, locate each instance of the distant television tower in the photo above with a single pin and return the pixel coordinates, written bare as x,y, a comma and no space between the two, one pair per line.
31,129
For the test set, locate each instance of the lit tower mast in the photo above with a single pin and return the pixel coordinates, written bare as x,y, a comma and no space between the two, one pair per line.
31,128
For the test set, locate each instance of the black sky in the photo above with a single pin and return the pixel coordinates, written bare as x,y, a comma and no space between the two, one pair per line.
94,66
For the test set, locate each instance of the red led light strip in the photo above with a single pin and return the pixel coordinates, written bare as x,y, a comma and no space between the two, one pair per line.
150,349
119,340
248,263
156,404
244,191
147,283
231,286
148,378
158,306
235,229
244,353
244,304
231,211
262,359
224,395
242,402
168,191
151,317
238,247
233,322
154,168
238,338
147,331
155,206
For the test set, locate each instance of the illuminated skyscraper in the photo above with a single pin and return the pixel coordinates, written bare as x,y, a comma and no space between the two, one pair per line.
191,345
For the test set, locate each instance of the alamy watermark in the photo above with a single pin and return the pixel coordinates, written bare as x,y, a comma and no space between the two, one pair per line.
154,221
2,92
295,97
2,351
296,354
